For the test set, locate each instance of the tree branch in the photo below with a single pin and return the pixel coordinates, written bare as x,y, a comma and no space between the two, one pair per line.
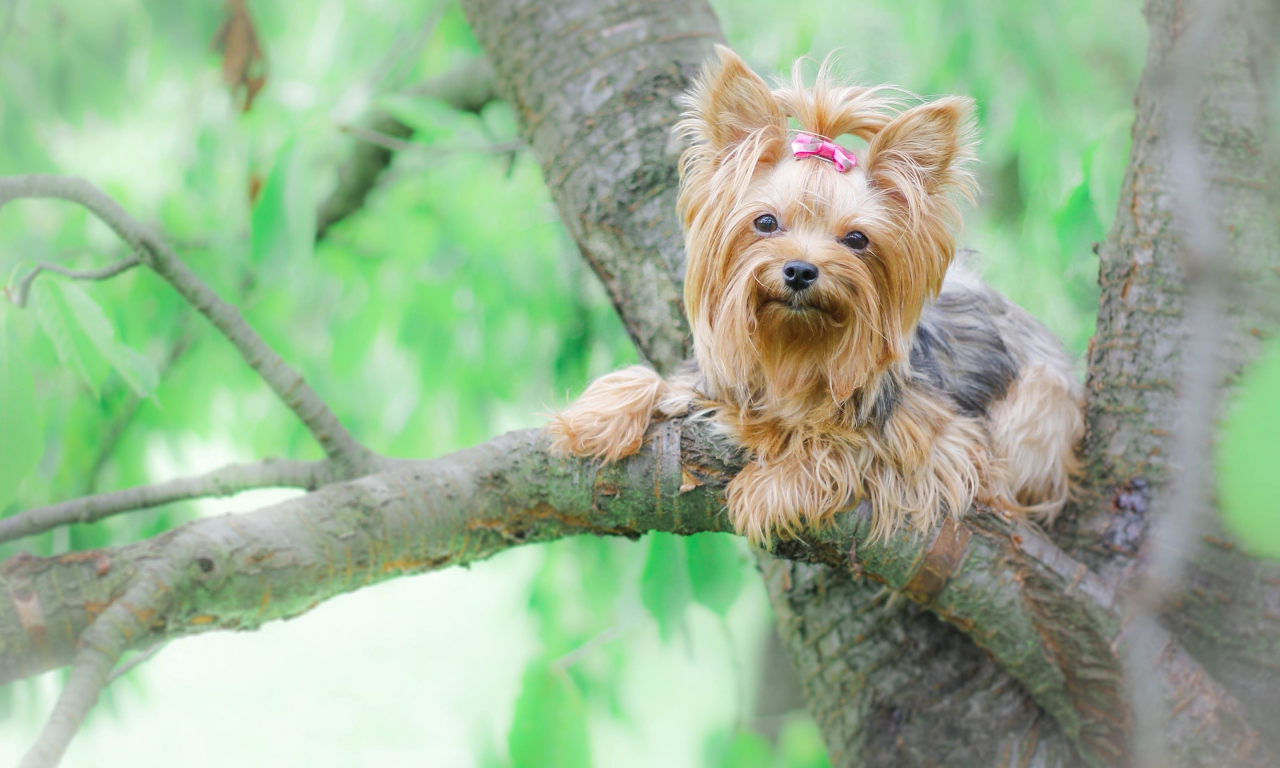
288,384
1039,613
229,480
400,145
467,87
1208,275
99,648
106,273
137,661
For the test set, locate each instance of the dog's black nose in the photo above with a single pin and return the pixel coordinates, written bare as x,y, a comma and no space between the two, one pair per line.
799,275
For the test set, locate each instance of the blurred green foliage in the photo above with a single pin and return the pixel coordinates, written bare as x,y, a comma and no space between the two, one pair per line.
453,306
1249,454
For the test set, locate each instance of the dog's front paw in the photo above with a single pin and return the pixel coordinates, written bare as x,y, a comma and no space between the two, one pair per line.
610,419
605,435
784,498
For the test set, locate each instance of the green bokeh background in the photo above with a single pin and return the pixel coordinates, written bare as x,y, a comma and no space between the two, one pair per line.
452,308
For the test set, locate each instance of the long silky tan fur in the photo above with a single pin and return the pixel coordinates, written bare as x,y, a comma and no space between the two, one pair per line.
898,377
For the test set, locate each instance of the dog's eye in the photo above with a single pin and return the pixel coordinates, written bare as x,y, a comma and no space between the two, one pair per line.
766,224
855,240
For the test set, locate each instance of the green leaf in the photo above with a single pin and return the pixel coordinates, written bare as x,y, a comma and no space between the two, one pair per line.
800,744
1075,221
60,325
1107,164
486,751
550,725
715,570
1248,454
430,119
135,369
664,583
283,223
21,437
738,749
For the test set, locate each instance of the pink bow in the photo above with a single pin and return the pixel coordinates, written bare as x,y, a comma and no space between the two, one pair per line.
808,145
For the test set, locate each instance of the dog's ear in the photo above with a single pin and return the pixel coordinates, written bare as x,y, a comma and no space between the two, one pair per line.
730,102
926,149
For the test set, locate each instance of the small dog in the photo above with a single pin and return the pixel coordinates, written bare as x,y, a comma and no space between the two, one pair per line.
833,338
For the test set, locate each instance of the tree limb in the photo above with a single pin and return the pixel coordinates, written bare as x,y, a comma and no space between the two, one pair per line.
106,273
98,650
1042,615
467,87
337,442
1208,276
226,481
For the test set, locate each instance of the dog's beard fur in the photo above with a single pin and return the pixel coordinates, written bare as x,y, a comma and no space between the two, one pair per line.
794,373
792,353
760,343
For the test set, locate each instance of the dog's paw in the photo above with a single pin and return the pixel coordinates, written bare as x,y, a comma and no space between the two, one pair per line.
603,435
610,419
784,498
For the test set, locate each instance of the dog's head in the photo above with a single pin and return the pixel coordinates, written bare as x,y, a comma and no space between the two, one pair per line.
809,263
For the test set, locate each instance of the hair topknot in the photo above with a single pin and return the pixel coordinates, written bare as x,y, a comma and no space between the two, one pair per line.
830,109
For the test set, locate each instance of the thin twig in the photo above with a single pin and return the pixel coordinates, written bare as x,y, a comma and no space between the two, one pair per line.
467,88
400,145
106,273
229,480
1206,274
288,384
602,638
10,17
379,139
135,662
407,47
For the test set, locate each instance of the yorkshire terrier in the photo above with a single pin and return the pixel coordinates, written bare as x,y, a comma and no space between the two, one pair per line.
833,338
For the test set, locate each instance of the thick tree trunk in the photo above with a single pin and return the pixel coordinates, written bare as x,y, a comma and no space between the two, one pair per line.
1226,613
586,78
891,685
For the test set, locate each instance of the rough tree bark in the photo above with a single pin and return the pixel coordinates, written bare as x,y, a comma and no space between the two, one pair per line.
594,86
1227,613
1022,668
